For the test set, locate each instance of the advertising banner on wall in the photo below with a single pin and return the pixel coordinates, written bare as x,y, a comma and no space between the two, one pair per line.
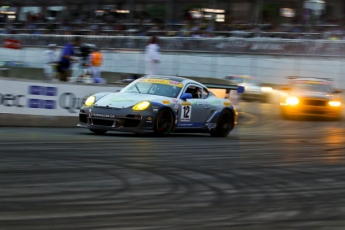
12,44
46,99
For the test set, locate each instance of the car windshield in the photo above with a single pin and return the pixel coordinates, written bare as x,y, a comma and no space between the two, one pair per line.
315,86
153,86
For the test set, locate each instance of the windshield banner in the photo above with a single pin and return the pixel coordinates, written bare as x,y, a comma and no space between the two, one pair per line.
161,81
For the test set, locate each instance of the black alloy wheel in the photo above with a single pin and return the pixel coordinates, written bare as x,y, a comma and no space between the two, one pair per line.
164,123
225,124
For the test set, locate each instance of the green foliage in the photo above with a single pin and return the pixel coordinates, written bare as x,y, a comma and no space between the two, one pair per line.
271,11
156,11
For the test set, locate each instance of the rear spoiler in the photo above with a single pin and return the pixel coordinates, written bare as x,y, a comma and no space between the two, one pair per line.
240,89
218,83
220,86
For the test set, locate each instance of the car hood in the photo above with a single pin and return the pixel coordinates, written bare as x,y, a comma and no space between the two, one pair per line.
311,94
124,100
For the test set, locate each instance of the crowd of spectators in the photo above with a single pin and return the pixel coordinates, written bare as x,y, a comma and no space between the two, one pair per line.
39,24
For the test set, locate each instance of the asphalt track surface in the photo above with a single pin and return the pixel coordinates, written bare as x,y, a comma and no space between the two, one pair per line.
267,174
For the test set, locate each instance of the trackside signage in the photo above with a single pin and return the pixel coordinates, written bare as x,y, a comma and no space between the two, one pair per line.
48,99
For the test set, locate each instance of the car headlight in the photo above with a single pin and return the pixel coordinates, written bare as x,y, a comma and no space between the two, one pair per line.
334,103
90,101
266,89
141,106
292,101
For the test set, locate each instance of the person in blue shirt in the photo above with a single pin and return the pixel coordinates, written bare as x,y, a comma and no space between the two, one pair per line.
66,58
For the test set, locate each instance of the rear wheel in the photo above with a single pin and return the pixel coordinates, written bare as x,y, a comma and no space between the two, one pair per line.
164,123
98,131
265,99
225,124
286,116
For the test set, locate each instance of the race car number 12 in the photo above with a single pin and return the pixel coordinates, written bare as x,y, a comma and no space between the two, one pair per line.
186,113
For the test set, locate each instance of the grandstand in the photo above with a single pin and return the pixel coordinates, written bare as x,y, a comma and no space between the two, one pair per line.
191,18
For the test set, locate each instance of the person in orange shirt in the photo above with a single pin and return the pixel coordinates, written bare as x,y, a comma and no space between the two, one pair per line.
96,62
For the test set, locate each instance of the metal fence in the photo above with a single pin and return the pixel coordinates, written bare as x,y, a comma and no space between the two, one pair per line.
332,48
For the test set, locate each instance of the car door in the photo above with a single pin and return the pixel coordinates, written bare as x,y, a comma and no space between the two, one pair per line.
195,111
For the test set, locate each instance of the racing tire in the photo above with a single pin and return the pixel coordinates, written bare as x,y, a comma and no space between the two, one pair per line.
286,116
339,118
164,122
265,99
98,131
224,125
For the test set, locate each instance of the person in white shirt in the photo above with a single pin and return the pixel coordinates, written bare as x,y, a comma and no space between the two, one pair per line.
152,56
50,57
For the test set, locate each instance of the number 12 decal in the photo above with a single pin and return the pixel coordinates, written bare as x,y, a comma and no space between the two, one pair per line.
186,113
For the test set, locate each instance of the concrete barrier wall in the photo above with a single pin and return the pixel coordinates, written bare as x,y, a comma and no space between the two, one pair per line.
36,73
268,68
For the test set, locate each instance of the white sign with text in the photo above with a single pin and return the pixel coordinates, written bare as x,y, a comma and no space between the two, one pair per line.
47,99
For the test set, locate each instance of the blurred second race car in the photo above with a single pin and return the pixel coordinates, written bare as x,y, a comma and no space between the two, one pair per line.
254,89
311,97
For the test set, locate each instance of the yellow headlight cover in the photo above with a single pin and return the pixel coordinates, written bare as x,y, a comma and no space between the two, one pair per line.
90,101
141,106
292,101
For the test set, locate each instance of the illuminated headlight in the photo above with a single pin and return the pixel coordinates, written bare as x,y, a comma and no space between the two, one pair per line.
141,106
334,103
292,101
90,101
266,89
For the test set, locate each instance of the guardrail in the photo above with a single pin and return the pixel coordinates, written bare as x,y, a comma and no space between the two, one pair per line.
183,44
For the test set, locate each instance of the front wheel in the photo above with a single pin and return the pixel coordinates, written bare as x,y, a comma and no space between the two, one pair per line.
98,131
164,123
225,124
285,115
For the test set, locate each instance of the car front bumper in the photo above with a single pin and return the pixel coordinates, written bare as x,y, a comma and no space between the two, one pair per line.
124,120
319,111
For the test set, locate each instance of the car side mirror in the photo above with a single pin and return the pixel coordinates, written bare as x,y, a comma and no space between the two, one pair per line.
186,96
337,91
240,89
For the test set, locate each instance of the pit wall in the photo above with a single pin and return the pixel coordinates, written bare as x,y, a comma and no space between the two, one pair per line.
268,68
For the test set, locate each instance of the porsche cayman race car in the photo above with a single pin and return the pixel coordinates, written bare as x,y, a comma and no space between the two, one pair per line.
160,104
311,97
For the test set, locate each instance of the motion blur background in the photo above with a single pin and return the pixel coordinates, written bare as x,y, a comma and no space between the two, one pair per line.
266,39
269,173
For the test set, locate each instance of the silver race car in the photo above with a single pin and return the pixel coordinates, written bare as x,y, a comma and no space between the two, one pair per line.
161,104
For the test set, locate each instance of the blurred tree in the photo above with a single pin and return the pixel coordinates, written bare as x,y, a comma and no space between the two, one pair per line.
156,11
270,12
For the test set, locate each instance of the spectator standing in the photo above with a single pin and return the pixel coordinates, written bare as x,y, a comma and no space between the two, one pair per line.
96,62
152,56
66,58
50,58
